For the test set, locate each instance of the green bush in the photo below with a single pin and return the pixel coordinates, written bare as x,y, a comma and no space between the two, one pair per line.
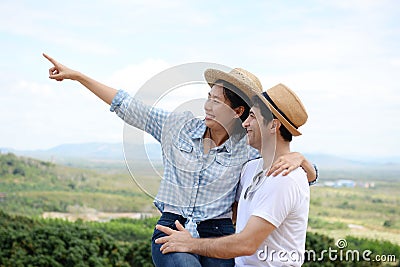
388,223
128,230
139,254
350,254
39,242
56,243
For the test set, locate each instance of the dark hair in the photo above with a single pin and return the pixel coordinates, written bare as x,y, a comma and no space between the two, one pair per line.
236,97
269,116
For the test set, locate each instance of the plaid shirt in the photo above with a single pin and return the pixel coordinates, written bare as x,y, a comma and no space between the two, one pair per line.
198,186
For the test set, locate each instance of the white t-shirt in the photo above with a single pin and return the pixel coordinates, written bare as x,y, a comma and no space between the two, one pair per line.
284,202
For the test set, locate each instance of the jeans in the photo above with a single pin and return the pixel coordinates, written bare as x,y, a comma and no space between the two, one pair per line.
209,228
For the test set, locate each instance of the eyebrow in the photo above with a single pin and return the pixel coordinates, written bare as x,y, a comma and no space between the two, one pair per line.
214,96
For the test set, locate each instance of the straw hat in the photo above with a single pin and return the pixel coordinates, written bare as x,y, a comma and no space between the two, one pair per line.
286,106
247,82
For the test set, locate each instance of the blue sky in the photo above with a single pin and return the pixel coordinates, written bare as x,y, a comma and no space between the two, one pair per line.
341,57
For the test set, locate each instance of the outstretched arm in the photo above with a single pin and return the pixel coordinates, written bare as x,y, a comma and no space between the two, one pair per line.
60,72
289,162
244,243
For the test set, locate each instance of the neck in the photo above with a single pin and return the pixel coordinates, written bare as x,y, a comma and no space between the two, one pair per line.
218,135
271,152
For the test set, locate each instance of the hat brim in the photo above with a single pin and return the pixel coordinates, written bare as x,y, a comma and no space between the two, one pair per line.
213,75
278,115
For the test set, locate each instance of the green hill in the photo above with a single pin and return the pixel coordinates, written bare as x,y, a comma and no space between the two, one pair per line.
31,187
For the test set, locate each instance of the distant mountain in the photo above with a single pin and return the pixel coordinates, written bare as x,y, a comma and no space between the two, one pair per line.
91,151
331,161
117,152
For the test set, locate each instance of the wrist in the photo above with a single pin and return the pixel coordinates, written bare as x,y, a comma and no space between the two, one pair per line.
316,175
195,246
76,76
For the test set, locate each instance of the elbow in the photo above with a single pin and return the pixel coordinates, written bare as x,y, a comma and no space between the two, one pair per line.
246,245
248,248
249,251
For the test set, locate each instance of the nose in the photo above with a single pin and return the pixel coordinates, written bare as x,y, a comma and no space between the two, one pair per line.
245,124
207,105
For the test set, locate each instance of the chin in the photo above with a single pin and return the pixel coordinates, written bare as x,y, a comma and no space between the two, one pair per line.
209,123
248,140
253,145
212,124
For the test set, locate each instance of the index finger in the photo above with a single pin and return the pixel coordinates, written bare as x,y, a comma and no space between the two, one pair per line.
50,59
164,229
161,240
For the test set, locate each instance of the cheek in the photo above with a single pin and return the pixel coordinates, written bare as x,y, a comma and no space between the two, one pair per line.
225,116
256,128
227,111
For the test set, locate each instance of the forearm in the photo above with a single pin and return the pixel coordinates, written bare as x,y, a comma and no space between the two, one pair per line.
102,91
223,248
244,243
309,169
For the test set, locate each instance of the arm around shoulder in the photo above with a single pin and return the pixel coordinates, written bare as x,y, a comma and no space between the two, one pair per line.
311,171
289,162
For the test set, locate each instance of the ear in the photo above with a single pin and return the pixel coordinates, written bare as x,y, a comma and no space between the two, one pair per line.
239,111
275,125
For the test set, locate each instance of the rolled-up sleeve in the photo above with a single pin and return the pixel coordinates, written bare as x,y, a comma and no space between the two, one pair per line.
138,114
118,99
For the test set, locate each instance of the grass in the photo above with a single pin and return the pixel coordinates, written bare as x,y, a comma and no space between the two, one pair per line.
371,213
33,187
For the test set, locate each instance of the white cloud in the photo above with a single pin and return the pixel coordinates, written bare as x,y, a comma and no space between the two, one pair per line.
132,77
341,57
57,28
395,62
42,115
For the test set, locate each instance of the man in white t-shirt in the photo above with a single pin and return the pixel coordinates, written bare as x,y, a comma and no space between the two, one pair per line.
273,211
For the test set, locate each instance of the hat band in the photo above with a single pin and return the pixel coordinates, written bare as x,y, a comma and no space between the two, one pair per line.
276,107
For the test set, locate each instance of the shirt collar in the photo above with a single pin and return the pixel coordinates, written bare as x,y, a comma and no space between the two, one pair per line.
228,145
198,133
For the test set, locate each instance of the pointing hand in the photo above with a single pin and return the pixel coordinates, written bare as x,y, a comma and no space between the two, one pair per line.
60,72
